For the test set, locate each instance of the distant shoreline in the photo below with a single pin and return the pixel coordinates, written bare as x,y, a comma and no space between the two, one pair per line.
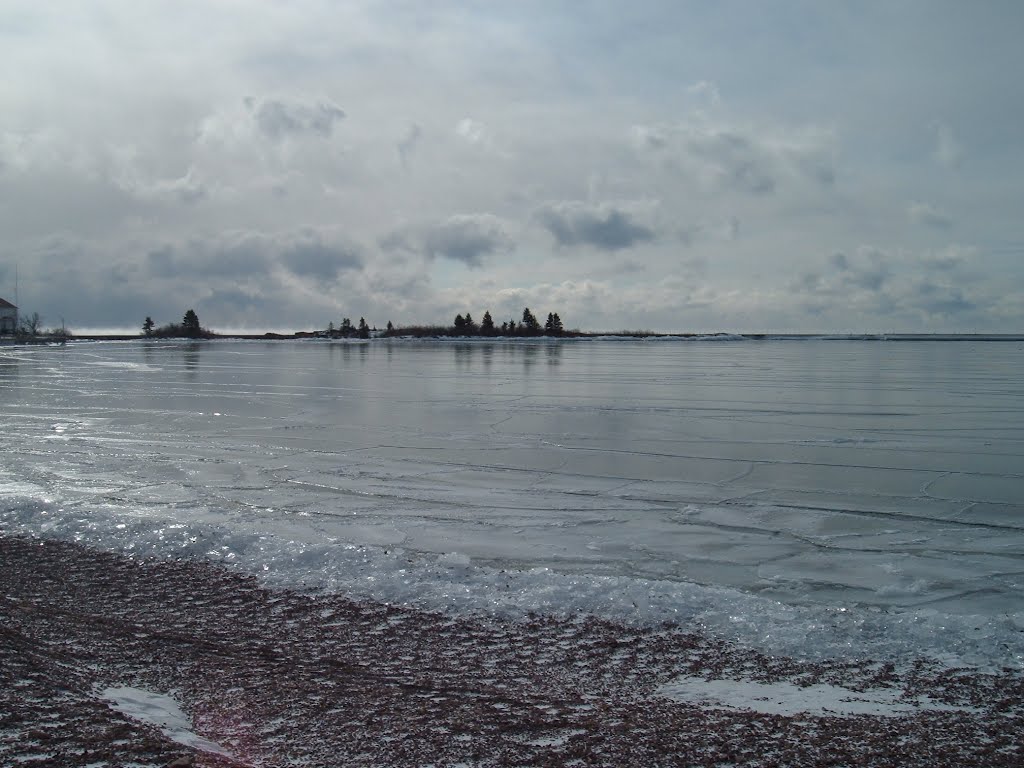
720,336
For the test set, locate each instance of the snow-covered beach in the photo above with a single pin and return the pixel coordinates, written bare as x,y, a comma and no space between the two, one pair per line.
616,552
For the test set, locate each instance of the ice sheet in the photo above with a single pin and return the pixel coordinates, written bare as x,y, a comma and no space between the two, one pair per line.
824,496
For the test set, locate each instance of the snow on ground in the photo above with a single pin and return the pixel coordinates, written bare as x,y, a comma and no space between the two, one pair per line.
785,698
160,710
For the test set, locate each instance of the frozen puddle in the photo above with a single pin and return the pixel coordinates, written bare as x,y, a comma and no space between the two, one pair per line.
784,698
162,711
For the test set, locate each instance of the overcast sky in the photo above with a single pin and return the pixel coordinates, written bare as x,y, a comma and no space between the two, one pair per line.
675,166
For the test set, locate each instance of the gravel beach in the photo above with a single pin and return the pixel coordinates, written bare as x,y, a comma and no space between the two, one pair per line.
278,678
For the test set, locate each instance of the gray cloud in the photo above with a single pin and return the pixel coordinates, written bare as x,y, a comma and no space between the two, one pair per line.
929,216
279,119
815,165
740,159
235,300
739,162
951,258
311,257
938,299
467,238
947,149
868,272
231,279
400,284
252,256
605,227
407,146
871,283
233,255
168,187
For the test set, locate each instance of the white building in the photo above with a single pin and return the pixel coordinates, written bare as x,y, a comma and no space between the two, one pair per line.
8,317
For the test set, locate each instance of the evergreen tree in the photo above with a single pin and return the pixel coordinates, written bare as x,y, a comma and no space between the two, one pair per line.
487,325
553,326
529,323
469,327
364,329
391,328
460,324
190,325
147,327
346,327
512,327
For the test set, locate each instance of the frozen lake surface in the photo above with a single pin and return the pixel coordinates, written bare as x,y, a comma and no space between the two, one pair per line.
810,497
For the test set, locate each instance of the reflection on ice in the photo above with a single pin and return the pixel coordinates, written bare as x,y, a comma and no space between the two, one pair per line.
767,481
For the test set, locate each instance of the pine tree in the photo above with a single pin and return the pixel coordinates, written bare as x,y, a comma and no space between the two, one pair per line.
487,325
469,327
460,324
147,327
346,327
190,324
530,323
364,329
553,326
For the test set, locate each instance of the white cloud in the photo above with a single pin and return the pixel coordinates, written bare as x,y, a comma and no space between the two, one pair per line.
705,93
473,131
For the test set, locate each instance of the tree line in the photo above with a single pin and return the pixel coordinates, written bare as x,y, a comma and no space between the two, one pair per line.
347,330
188,328
528,325
463,325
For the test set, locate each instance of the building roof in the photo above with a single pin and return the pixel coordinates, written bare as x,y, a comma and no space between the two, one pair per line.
4,304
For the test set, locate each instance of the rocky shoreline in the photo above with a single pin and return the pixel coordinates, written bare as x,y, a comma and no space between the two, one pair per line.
278,678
